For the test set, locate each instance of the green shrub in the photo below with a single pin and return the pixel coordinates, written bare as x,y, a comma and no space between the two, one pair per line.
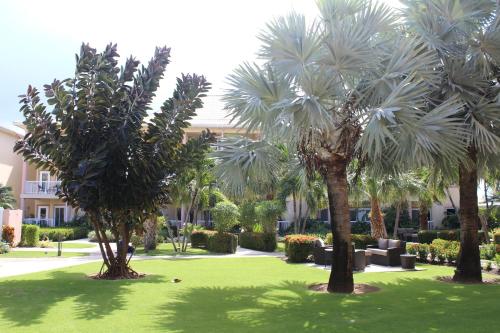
361,241
446,250
360,228
199,238
433,251
8,234
299,247
225,215
497,260
496,237
451,235
66,233
268,212
452,252
423,252
481,235
412,248
222,243
136,240
427,236
4,247
248,216
30,235
258,241
451,221
488,251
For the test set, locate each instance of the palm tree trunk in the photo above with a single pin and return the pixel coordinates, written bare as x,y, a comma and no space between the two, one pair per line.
150,233
377,220
469,262
302,223
396,221
341,279
423,211
294,202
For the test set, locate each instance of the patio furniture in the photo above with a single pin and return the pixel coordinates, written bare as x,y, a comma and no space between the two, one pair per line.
359,260
408,261
323,255
387,252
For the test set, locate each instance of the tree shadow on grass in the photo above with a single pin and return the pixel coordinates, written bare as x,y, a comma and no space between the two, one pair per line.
409,305
24,301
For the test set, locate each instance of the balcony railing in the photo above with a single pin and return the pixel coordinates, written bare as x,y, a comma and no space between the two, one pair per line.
42,222
41,187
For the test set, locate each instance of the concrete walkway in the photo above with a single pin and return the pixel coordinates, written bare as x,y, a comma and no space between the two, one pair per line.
19,266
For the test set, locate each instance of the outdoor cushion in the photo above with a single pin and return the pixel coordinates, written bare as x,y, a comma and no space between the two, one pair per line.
394,243
382,243
378,252
319,243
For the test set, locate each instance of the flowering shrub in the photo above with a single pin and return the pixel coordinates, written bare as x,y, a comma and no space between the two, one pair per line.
299,247
8,234
4,247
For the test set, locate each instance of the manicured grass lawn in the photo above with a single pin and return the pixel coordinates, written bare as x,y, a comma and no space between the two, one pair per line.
167,249
39,254
241,295
73,245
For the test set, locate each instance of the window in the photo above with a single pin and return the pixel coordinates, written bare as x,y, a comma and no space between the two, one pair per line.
450,211
43,181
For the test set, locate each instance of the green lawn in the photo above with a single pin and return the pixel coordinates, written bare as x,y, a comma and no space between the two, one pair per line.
39,254
167,249
241,295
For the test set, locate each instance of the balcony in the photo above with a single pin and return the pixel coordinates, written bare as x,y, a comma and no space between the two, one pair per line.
42,222
41,189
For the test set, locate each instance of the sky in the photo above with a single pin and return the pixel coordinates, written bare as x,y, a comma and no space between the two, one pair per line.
40,38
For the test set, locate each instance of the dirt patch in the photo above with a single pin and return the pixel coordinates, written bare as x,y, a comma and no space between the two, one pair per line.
359,288
449,279
131,277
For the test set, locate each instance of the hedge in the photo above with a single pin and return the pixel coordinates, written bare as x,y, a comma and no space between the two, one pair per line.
199,238
66,233
439,249
259,241
222,243
361,241
30,235
299,247
427,236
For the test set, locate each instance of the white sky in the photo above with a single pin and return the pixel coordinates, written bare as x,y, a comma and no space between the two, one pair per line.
39,39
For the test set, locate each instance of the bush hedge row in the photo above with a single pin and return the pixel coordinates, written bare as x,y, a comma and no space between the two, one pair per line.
30,235
361,241
427,236
440,249
66,233
8,234
199,238
299,247
260,241
222,242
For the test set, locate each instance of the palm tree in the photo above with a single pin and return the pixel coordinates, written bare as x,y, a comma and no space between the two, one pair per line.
465,35
401,188
350,84
7,200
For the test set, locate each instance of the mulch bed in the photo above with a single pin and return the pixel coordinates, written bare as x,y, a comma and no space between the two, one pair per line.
359,288
449,279
101,277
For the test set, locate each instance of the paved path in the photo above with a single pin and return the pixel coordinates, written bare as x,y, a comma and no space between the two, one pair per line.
19,266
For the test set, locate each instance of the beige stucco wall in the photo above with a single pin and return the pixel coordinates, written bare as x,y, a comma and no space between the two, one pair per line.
10,163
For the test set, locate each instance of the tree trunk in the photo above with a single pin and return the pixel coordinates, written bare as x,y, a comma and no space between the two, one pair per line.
294,202
150,233
424,211
302,223
377,220
396,221
341,278
469,262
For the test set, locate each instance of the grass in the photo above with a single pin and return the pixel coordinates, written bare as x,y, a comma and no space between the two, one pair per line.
241,295
281,247
40,254
167,249
73,245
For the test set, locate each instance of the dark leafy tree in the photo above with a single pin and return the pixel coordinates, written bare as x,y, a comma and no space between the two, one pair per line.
114,162
7,199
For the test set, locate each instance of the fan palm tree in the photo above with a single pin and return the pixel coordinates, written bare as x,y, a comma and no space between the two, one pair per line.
7,200
465,35
350,84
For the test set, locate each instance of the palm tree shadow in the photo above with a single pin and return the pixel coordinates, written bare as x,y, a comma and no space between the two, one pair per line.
291,307
24,301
